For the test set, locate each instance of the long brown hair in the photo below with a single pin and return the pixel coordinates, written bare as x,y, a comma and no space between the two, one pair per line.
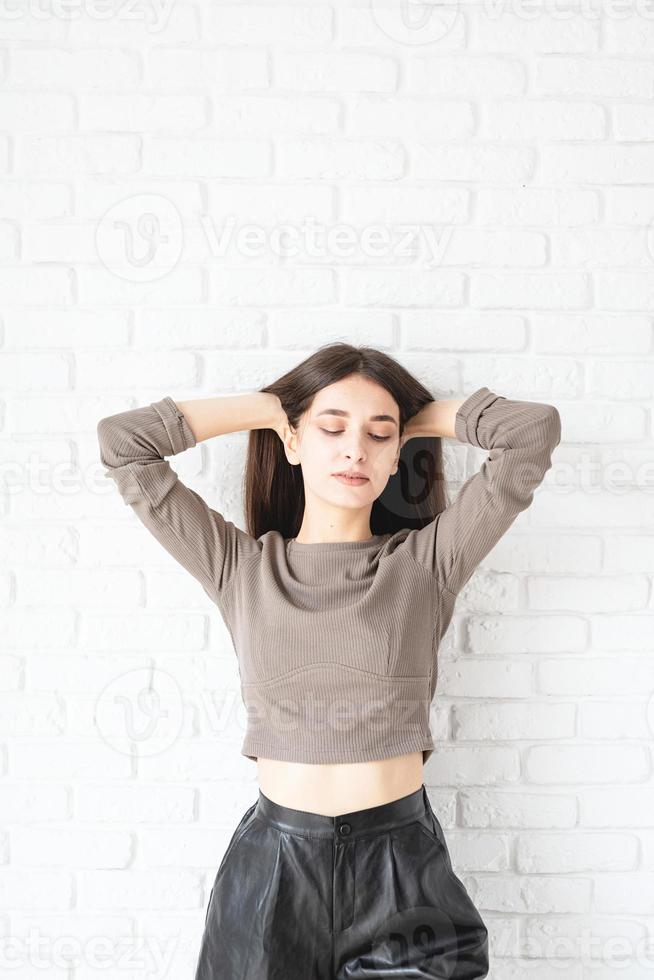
274,490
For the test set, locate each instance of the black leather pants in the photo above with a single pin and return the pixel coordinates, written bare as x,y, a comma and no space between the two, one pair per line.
368,894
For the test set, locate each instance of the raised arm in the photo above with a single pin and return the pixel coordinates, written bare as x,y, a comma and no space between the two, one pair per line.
520,437
133,445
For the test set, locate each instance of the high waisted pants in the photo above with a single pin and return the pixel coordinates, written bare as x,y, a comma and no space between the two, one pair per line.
367,894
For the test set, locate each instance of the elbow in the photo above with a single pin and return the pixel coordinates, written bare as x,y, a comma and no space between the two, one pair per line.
107,432
552,427
102,430
549,436
543,431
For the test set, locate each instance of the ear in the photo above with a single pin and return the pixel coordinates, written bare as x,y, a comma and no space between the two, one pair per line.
289,438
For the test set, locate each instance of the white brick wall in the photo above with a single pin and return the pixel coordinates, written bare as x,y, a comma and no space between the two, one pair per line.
478,181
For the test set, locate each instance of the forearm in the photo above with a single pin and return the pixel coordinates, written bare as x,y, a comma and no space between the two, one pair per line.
435,419
220,415
134,446
520,437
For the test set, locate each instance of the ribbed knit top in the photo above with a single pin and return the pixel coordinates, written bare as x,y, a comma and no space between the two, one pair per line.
336,643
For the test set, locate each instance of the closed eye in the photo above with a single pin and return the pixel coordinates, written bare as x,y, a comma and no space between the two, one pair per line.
337,432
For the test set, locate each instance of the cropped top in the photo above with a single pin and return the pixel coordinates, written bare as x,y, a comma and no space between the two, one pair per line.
337,642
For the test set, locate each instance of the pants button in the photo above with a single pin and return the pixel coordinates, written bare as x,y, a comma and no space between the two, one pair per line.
344,829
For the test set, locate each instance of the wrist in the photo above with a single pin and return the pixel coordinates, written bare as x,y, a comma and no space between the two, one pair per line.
272,412
435,419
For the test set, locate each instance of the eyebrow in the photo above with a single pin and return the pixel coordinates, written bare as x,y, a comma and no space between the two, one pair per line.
373,418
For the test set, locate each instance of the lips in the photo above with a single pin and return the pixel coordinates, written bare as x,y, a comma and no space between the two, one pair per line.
353,481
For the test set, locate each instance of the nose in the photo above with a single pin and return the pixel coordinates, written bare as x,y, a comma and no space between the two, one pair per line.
355,454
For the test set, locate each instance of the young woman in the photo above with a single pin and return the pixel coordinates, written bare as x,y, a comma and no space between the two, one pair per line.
337,598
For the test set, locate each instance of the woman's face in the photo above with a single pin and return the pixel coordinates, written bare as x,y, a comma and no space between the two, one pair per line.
353,424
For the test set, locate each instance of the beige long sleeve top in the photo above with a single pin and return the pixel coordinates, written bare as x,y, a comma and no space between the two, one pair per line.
336,643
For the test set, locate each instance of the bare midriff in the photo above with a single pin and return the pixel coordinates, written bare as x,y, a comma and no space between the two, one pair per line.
339,788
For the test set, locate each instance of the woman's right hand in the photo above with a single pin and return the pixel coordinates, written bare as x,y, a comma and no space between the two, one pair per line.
279,418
